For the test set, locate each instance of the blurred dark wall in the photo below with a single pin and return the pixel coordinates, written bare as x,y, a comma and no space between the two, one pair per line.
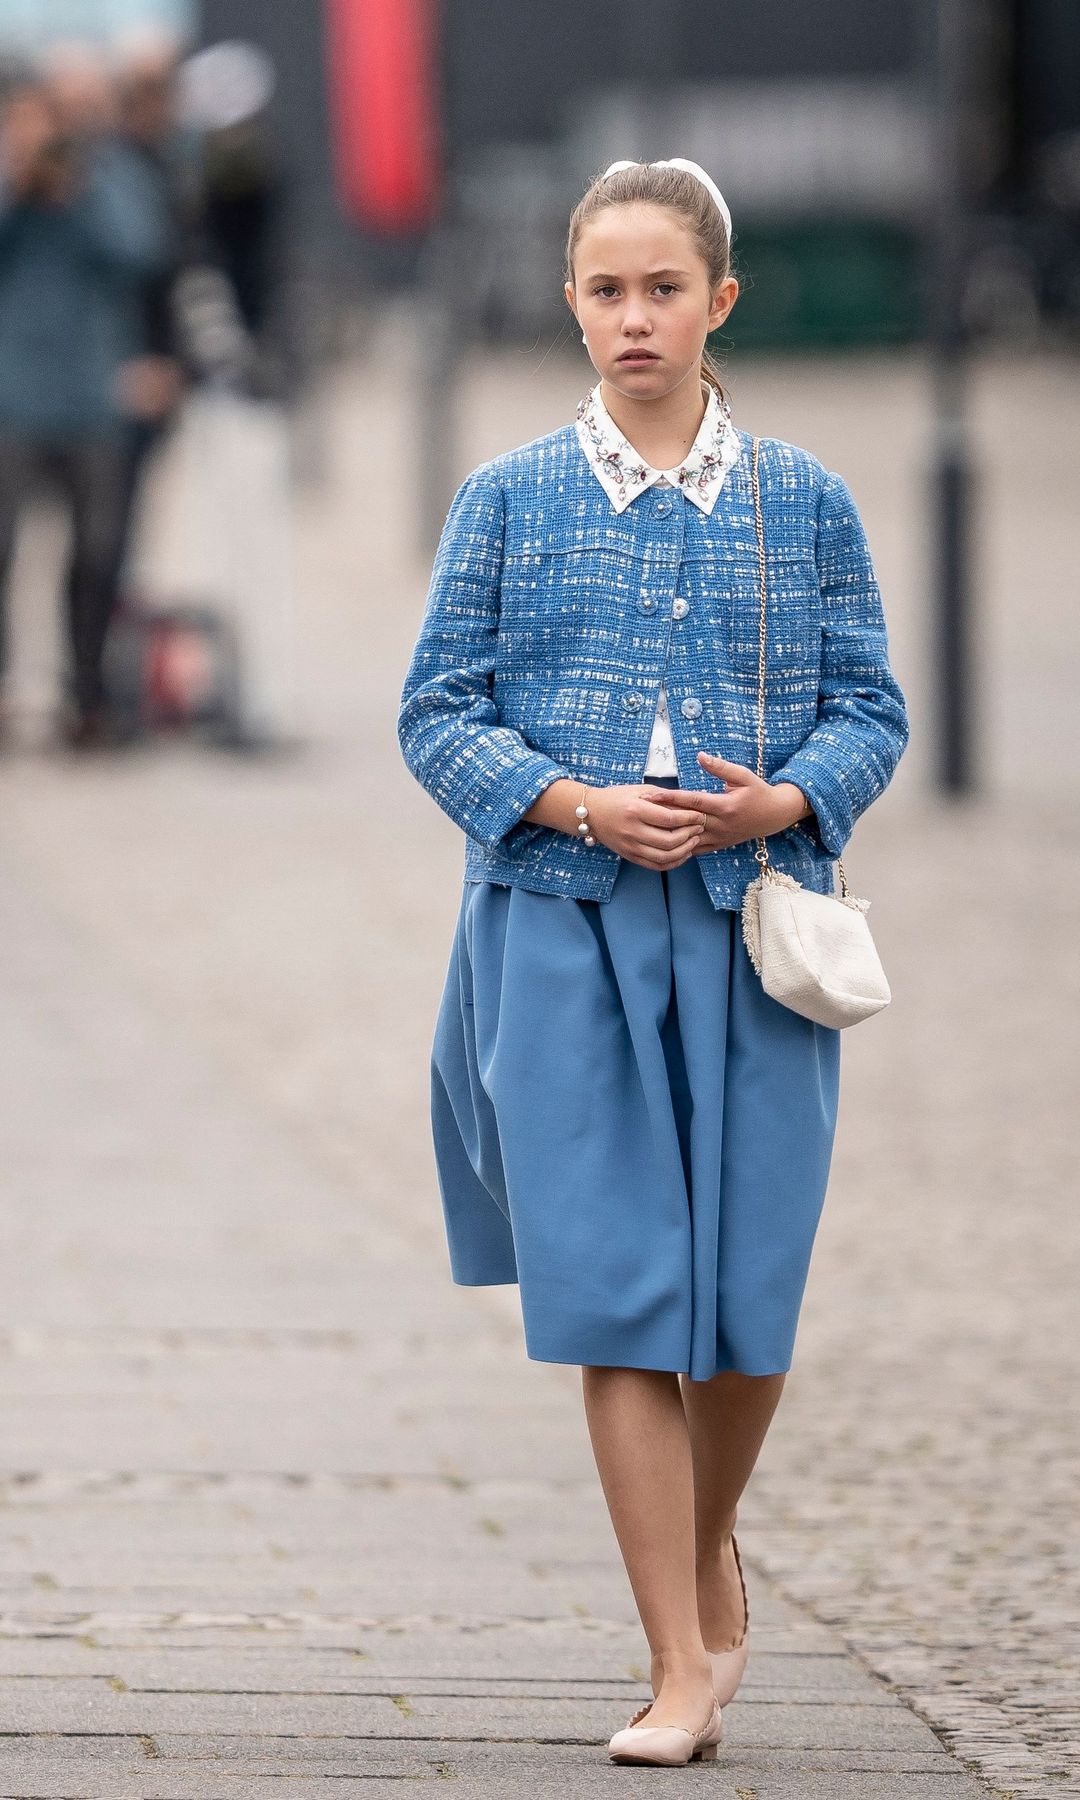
299,108
331,252
504,83
1046,83
772,37
521,74
508,74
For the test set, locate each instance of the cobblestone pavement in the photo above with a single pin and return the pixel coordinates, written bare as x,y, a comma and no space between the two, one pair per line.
270,1511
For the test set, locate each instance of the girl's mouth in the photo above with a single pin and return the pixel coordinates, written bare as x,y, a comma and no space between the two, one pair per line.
638,356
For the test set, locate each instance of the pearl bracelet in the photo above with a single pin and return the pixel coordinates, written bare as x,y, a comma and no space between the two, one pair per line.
582,813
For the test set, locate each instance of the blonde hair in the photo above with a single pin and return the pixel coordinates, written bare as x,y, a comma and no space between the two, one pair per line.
684,195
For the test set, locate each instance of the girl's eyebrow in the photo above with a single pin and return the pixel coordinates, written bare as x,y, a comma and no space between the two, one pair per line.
651,276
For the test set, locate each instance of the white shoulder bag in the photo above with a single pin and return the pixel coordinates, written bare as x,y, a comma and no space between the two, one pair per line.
814,952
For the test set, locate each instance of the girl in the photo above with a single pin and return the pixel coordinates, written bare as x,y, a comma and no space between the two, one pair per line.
624,1123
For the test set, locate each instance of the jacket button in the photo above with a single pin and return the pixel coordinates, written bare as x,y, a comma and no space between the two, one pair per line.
691,708
647,603
632,702
663,506
680,608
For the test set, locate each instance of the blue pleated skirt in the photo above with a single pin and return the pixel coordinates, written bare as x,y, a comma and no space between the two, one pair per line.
628,1126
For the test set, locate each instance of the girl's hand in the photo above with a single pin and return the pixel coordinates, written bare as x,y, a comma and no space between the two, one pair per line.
748,808
656,835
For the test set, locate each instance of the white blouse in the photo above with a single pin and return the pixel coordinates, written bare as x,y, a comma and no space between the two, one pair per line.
662,759
624,474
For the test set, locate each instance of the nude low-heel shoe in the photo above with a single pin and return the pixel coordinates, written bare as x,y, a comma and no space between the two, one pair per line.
728,1665
668,1745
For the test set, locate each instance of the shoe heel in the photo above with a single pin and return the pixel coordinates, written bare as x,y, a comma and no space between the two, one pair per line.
708,1753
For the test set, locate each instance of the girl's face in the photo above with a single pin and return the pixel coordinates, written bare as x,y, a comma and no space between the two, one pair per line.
640,284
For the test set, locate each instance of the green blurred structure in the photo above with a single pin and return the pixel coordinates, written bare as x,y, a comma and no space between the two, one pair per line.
824,284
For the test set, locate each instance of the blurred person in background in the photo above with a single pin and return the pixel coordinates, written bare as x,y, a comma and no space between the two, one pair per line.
152,382
82,229
242,199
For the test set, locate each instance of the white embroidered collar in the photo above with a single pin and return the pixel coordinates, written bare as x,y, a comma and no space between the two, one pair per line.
623,474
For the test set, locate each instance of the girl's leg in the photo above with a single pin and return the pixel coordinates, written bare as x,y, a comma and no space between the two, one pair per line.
727,1417
639,1435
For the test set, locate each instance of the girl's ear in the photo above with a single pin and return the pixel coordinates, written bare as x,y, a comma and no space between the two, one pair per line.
569,292
723,301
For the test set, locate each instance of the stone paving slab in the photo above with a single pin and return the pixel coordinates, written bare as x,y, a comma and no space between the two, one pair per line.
130,1773
585,1646
529,1594
529,1754
594,1648
224,1670
218,1766
97,1705
195,1782
778,1678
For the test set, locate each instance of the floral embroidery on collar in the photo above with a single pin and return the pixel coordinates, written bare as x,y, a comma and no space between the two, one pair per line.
624,474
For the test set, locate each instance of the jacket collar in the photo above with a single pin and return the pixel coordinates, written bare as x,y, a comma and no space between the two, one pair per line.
623,474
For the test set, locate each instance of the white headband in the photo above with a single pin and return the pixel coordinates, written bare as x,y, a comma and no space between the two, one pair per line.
691,168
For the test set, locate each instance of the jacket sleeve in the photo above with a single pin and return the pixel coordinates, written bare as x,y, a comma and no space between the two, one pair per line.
482,774
862,724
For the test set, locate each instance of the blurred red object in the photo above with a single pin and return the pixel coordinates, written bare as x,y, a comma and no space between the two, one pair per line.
382,61
174,668
180,672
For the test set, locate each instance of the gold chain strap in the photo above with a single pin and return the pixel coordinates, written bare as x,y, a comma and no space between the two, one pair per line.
761,854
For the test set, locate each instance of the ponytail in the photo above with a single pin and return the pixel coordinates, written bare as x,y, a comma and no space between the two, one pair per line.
710,375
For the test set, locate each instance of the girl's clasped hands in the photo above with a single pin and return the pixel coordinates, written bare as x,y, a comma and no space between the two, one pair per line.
660,827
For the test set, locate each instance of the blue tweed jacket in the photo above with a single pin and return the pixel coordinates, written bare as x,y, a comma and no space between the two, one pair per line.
549,626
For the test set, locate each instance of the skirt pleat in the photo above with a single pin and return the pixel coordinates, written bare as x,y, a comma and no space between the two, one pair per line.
629,1127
